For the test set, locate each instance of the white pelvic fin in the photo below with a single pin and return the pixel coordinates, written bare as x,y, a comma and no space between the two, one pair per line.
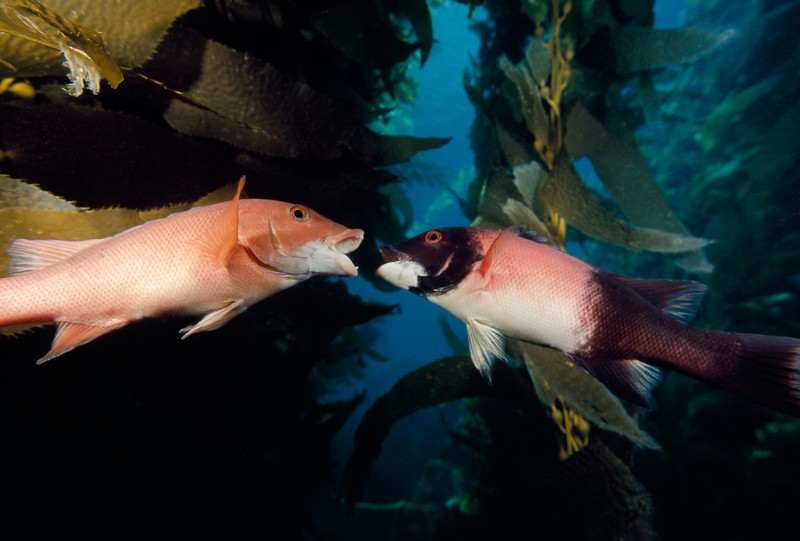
216,319
33,255
485,345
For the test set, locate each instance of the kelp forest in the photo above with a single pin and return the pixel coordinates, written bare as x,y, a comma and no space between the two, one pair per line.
648,151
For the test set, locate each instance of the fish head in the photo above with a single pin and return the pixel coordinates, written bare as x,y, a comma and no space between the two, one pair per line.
294,240
434,262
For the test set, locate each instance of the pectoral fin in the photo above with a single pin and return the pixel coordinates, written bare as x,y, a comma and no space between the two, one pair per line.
221,239
216,319
485,345
496,249
71,335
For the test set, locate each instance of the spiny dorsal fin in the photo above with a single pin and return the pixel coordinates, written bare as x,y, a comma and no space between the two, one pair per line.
222,238
33,255
497,248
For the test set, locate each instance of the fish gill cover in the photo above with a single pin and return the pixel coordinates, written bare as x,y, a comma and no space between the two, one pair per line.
690,137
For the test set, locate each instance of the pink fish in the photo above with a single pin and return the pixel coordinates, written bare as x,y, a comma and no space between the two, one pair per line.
213,261
617,328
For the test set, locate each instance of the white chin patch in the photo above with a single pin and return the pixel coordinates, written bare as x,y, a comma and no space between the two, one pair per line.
402,274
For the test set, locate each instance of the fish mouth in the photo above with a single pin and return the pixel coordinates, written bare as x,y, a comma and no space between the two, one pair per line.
346,241
339,245
393,255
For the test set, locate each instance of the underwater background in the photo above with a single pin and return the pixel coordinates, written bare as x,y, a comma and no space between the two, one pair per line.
653,139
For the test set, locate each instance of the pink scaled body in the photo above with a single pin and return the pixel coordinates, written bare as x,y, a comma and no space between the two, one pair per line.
213,261
623,331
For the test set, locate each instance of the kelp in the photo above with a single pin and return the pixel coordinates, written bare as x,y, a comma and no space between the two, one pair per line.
237,92
83,49
95,156
554,375
562,192
366,32
534,85
598,497
36,37
624,172
439,382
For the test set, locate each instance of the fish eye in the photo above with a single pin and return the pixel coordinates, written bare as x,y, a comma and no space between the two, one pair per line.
432,237
298,213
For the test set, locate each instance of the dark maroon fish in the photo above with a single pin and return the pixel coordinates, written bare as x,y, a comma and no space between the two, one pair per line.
617,328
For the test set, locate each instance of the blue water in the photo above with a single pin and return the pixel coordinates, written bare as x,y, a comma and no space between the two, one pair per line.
411,338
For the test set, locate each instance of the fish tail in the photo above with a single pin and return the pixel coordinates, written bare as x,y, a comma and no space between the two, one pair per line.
767,372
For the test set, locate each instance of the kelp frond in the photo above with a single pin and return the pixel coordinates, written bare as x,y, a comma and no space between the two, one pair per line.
83,49
533,86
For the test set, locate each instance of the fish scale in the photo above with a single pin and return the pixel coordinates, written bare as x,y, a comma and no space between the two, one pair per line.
617,328
214,261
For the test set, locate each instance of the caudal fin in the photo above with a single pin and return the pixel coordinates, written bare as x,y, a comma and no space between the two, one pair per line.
769,372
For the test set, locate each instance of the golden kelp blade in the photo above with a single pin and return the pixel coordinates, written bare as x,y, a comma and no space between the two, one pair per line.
33,35
82,47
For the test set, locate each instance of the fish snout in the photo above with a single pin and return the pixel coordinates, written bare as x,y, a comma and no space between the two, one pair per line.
400,269
346,241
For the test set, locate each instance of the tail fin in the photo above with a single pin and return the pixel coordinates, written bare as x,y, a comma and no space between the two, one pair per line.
769,372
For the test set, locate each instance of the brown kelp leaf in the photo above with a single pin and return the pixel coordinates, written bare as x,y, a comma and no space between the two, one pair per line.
531,100
130,33
565,194
520,214
637,49
420,18
83,49
624,171
538,58
363,33
15,194
584,133
241,91
442,381
553,375
99,158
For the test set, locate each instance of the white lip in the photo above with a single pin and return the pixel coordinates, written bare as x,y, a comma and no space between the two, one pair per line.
329,257
325,257
403,274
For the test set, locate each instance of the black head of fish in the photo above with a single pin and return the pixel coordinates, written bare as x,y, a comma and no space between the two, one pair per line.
445,256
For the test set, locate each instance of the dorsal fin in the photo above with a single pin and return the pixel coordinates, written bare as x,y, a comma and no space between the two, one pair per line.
221,239
497,247
678,298
531,235
33,255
